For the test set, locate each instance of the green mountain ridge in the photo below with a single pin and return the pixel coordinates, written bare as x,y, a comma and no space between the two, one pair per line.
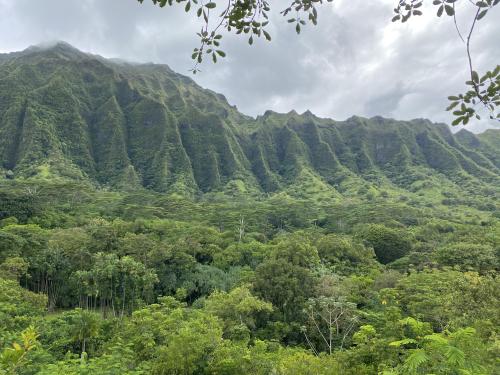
71,115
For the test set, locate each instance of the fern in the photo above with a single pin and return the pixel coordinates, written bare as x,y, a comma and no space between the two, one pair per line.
437,339
402,342
416,359
463,333
455,356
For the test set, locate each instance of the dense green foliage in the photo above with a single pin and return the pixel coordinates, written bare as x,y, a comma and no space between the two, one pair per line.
146,227
96,283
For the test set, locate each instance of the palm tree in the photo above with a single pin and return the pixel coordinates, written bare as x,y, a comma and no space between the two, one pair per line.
86,327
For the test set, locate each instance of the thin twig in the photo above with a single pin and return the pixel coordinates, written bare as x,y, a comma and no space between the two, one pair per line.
456,24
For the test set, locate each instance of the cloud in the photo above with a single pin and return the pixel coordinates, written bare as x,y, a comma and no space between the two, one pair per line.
354,62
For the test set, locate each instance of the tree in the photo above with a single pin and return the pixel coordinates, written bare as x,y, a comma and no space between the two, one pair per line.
119,359
171,337
189,343
252,18
450,298
74,243
344,254
18,308
458,352
468,256
285,279
14,268
85,328
389,244
333,319
119,283
237,309
241,254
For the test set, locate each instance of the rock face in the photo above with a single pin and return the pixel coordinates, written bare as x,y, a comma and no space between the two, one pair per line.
73,115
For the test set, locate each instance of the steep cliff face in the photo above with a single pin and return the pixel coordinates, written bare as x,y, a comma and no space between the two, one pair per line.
64,113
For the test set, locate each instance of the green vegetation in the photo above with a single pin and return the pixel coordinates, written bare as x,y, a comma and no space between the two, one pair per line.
146,227
71,116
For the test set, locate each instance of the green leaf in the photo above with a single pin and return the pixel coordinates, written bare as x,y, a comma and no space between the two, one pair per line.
440,11
416,359
437,338
482,14
402,342
475,76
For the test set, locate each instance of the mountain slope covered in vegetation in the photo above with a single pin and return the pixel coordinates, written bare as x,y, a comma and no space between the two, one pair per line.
69,114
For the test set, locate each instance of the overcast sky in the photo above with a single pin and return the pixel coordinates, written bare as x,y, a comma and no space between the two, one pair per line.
355,62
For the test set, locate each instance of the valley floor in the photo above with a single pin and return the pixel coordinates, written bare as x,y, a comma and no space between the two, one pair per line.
107,282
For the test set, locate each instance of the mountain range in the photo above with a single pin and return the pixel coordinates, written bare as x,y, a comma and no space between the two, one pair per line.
72,115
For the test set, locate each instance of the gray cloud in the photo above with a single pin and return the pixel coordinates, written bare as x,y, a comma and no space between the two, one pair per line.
354,62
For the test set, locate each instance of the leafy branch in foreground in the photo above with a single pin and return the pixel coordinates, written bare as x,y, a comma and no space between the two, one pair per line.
483,90
13,358
246,17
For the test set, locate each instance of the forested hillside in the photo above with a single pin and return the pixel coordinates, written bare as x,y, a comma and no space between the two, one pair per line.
148,227
67,114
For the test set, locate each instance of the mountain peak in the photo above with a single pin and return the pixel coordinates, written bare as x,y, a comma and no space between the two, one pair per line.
57,49
57,45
